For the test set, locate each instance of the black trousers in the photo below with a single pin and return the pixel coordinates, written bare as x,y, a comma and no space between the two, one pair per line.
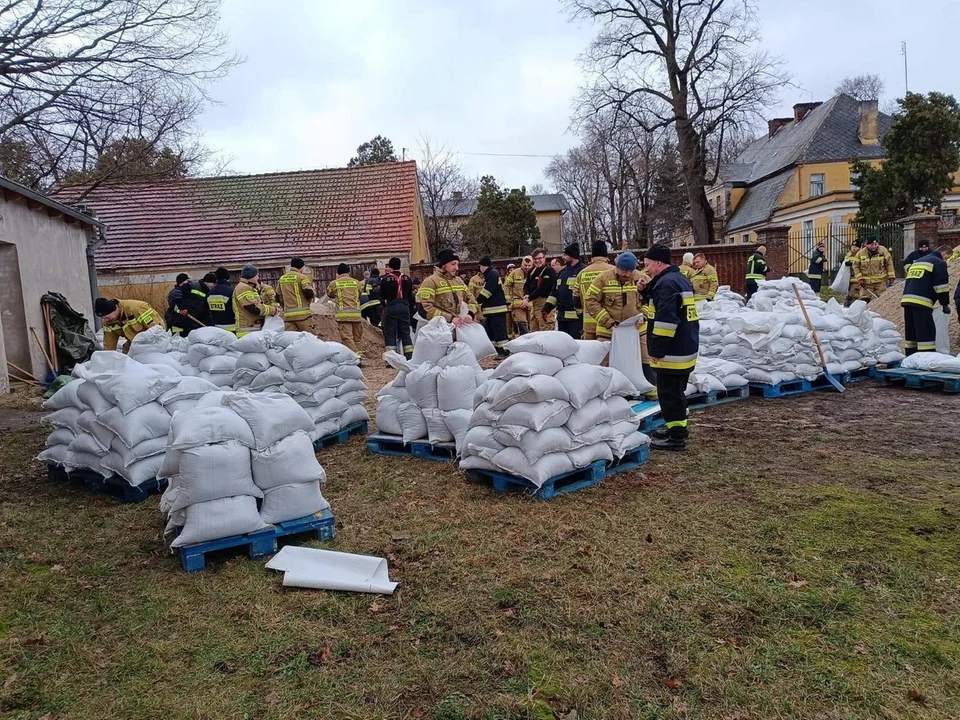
673,402
919,331
815,284
396,326
373,315
522,328
573,328
752,287
496,327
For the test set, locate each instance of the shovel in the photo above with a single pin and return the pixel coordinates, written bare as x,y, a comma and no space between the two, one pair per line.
823,360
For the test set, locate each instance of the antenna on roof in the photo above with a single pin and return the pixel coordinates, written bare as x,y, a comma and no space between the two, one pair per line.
906,78
403,153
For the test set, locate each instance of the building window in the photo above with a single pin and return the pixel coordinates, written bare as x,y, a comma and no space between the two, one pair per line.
854,180
817,184
745,238
807,236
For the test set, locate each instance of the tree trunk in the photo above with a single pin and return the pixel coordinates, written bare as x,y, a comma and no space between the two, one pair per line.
692,165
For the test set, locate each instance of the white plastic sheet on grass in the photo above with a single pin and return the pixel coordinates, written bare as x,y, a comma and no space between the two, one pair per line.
330,570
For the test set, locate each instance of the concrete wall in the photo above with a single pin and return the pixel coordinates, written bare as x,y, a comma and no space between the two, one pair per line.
40,253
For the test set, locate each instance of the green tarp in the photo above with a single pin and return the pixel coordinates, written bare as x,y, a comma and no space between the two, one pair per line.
75,340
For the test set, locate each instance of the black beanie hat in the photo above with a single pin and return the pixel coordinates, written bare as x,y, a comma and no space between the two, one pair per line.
393,263
659,252
342,268
210,278
573,250
446,256
297,263
598,249
182,277
222,274
485,261
374,272
103,306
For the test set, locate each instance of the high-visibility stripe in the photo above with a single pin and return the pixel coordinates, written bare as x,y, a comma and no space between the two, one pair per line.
926,347
909,344
676,423
814,277
754,277
916,300
941,288
228,328
570,315
495,310
664,329
674,362
198,292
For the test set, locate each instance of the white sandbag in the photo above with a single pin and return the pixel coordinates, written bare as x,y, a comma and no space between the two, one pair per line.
212,336
398,362
421,384
291,460
66,397
188,388
253,361
942,322
388,415
135,473
893,356
353,398
140,424
289,502
476,462
351,385
487,391
591,352
171,370
313,374
307,352
458,422
412,423
459,353
218,519
148,448
206,425
332,408
455,387
272,377
583,385
198,353
475,337
625,353
589,454
619,384
152,340
220,380
255,342
276,357
594,412
628,443
354,414
513,461
108,361
84,443
55,454
527,364
60,436
397,392
484,414
82,460
325,428
545,342
437,430
157,358
271,416
482,437
618,409
537,444
433,339
537,416
841,283
349,372
87,423
922,361
529,390
215,471
134,386
342,355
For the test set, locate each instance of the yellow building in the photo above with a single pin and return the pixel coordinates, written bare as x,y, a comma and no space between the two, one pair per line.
799,174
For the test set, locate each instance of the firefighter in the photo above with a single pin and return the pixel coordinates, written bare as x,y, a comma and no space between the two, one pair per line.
923,248
852,291
614,295
511,327
598,264
513,288
673,341
187,306
686,265
564,298
757,270
537,289
249,306
124,319
220,300
475,285
873,270
955,255
442,293
370,307
345,291
296,292
704,278
493,306
396,294
815,271
927,282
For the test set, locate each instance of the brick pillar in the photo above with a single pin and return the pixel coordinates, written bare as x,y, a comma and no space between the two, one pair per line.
920,227
778,249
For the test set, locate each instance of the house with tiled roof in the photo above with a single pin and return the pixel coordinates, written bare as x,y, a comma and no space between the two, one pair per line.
360,216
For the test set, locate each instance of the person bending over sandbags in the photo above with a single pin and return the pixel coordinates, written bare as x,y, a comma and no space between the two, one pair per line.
124,319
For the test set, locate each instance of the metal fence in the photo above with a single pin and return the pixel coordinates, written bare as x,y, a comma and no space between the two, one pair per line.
837,238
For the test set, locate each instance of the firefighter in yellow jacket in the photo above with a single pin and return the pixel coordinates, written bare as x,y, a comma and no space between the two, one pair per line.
476,284
441,293
873,270
598,264
249,306
345,291
124,319
296,292
513,289
704,278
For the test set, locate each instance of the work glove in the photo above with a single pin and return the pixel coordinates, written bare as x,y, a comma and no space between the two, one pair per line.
890,282
544,316
861,282
946,309
183,312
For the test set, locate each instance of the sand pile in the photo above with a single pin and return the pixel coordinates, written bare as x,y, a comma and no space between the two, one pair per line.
888,306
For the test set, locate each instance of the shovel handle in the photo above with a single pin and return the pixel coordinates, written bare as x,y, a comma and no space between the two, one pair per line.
803,309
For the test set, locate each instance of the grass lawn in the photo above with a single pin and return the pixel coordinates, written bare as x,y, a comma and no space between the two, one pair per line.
802,560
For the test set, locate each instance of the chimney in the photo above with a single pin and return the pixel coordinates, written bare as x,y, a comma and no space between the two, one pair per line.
457,195
801,109
776,124
869,131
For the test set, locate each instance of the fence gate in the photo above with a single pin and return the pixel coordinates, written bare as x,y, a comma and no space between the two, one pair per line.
837,238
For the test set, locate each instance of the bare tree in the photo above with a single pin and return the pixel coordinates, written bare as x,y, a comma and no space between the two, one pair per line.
861,87
688,64
440,176
78,75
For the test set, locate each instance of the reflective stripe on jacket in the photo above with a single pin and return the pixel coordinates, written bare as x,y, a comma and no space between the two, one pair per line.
927,281
815,271
292,284
705,282
611,299
441,295
490,297
249,308
564,295
345,292
584,281
874,268
673,338
220,305
757,267
135,317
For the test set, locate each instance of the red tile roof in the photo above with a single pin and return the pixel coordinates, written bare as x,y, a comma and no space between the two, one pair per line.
331,213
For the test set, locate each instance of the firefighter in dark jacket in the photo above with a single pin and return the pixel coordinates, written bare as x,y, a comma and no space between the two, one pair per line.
187,306
757,270
396,294
220,301
493,305
370,306
673,341
563,297
815,271
927,283
537,289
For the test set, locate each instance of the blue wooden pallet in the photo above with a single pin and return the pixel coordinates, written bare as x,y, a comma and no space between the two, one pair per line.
116,488
561,484
851,378
649,422
717,397
384,444
57,473
875,370
261,543
784,389
342,435
920,379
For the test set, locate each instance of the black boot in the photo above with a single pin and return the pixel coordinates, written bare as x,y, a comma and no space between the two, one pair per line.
668,443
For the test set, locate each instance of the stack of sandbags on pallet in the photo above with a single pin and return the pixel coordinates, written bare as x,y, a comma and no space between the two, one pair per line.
232,450
117,416
778,296
727,299
544,413
716,375
211,355
156,346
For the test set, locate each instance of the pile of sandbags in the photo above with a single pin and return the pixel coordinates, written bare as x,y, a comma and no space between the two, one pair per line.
233,450
770,340
114,419
544,413
324,378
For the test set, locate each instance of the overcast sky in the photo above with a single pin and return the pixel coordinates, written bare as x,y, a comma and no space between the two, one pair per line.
500,76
